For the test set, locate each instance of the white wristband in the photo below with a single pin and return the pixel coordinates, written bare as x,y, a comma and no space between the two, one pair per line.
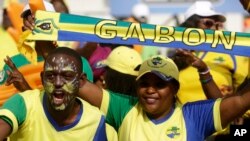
205,72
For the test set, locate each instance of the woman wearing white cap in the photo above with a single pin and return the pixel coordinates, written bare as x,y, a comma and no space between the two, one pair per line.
228,71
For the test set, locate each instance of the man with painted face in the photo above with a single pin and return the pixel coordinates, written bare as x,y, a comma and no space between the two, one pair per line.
55,113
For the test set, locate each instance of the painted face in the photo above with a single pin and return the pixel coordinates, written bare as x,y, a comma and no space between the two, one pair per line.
61,81
155,95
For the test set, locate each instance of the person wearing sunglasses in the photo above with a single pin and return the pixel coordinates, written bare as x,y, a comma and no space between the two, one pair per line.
210,23
228,71
202,15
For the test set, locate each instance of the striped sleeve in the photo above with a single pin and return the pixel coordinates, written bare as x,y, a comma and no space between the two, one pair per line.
14,111
204,116
116,106
101,131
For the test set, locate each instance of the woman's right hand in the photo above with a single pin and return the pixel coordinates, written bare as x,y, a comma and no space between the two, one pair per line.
193,60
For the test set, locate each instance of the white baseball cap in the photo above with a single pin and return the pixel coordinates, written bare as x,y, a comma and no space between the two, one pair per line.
204,9
140,10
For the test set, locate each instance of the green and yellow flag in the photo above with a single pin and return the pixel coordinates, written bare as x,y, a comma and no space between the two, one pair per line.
66,27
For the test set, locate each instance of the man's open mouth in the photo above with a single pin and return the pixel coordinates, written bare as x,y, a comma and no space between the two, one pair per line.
58,98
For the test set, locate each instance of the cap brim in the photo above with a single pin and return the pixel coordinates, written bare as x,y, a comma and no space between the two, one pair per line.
157,73
220,18
217,16
100,64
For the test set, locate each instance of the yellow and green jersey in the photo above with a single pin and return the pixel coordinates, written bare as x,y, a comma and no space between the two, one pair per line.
30,120
189,122
228,72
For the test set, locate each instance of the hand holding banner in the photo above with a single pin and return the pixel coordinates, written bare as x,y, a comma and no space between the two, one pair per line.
65,27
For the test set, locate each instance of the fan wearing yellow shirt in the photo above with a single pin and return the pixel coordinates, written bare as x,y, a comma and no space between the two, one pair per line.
155,113
228,71
55,113
29,71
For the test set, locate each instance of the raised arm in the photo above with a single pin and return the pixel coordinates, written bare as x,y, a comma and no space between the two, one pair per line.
235,106
209,87
91,93
5,130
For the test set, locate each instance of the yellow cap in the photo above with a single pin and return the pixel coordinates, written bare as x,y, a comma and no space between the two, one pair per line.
123,59
163,67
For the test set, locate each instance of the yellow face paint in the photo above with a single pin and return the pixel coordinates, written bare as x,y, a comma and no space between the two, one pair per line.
68,68
69,87
61,107
60,74
48,68
49,87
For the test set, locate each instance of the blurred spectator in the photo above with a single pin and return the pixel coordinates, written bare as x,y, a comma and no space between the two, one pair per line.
7,43
140,13
120,70
228,71
60,6
99,54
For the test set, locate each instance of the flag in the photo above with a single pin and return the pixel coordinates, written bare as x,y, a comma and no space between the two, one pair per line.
54,26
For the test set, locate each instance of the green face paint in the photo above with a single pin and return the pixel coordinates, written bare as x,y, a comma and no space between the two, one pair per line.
49,87
69,87
61,73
